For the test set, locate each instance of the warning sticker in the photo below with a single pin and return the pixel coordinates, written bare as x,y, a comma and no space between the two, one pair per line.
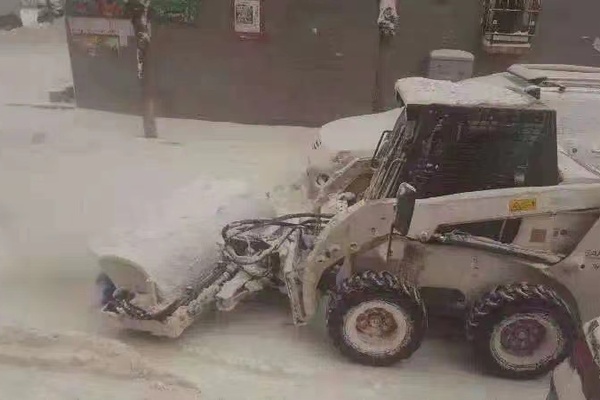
592,257
518,205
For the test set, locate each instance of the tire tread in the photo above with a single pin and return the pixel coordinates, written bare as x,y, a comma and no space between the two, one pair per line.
383,285
485,312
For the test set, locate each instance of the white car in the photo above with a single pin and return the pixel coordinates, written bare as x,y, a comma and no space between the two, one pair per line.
578,377
343,140
575,95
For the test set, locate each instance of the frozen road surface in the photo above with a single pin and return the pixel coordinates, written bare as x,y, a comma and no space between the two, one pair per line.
67,175
84,177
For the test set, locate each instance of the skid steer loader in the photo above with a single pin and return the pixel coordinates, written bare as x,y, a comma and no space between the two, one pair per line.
464,200
341,154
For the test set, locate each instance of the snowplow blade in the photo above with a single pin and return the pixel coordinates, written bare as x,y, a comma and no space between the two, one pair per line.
173,252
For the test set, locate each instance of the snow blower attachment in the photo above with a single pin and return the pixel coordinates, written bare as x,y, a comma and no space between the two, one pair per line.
157,275
188,257
464,207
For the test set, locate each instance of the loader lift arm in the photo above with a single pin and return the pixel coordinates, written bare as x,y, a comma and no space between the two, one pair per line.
369,223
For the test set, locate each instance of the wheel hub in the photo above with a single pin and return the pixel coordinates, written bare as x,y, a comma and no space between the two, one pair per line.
376,322
522,337
377,328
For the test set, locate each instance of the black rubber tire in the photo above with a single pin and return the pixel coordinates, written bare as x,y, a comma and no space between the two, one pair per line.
382,286
508,300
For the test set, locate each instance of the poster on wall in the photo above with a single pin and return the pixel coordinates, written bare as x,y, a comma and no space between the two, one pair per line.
248,19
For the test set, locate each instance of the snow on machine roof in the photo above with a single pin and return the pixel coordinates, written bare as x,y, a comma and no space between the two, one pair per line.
424,91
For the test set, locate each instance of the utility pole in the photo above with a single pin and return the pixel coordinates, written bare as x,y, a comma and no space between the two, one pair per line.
386,22
138,11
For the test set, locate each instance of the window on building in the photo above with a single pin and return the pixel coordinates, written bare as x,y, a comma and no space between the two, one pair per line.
510,22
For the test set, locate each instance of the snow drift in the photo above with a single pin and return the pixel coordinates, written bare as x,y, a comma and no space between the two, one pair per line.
72,352
178,242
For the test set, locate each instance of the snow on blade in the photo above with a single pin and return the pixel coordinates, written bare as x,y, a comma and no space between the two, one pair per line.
416,90
179,240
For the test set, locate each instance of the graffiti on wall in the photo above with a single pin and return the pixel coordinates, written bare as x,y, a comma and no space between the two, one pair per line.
181,11
184,11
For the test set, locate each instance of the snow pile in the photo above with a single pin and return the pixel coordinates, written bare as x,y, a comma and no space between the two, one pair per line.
179,239
76,352
416,90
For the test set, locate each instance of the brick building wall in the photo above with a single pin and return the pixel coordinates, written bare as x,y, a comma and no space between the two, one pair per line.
317,61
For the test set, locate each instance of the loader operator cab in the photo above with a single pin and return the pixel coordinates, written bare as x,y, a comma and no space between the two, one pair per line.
465,138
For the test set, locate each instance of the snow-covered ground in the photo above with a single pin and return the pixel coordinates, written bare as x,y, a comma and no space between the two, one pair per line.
67,175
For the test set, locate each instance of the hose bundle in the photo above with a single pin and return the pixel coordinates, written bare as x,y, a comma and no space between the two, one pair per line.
258,242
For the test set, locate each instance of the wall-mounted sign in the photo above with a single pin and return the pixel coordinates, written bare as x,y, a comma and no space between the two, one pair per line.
248,19
119,28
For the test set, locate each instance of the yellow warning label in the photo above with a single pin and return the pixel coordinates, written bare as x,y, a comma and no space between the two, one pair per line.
518,205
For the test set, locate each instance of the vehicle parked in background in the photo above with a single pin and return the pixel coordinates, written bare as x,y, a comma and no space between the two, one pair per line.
343,140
